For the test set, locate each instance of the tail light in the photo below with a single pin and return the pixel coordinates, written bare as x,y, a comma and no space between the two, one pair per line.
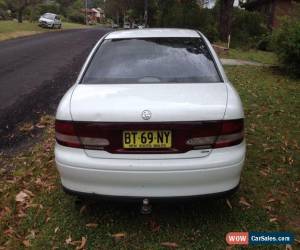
78,135
232,133
221,134
65,134
185,135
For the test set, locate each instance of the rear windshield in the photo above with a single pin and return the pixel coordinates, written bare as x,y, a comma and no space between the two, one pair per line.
152,60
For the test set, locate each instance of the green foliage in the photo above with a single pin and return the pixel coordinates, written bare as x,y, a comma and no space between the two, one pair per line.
74,12
187,14
41,9
286,44
248,29
265,42
208,24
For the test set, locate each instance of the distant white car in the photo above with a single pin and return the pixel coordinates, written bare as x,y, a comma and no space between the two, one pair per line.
126,26
50,20
114,25
141,26
152,114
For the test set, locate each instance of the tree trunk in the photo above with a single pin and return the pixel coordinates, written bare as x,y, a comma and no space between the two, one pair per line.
225,19
20,15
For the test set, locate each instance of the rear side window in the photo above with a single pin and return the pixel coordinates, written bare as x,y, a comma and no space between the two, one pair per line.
152,60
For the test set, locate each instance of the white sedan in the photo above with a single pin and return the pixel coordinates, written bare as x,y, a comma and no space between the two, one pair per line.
152,115
50,20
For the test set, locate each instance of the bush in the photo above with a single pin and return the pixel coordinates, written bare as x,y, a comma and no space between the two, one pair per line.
77,17
74,13
34,14
248,29
207,24
187,14
286,44
265,43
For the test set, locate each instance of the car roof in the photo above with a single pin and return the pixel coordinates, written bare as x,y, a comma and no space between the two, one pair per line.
148,33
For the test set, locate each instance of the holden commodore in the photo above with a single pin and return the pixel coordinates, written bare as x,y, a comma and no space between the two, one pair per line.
151,115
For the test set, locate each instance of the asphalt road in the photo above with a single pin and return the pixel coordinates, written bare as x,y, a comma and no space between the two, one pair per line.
36,71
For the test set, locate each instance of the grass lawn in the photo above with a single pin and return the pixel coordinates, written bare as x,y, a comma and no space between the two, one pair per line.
268,199
13,29
253,55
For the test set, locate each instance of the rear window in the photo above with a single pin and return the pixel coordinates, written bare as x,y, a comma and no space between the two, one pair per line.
152,60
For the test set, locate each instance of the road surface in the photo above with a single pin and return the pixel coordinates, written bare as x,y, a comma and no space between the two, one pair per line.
35,71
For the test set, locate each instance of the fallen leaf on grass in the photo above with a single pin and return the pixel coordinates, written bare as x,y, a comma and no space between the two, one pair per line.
169,244
91,225
263,173
28,192
26,243
68,240
26,127
273,219
56,230
39,125
9,232
21,197
228,204
30,236
83,243
119,236
82,209
34,205
21,214
290,160
269,208
7,209
244,202
154,226
271,200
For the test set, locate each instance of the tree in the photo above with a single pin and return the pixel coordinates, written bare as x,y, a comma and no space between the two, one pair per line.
19,6
64,6
225,18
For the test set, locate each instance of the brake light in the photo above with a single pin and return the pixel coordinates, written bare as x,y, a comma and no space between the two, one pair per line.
65,134
232,133
78,135
217,134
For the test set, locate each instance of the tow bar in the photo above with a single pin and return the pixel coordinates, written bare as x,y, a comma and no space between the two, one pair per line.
146,207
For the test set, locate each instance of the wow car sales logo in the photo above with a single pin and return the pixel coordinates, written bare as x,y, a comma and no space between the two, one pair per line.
259,238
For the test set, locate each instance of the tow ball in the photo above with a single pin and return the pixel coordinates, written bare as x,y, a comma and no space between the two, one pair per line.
146,207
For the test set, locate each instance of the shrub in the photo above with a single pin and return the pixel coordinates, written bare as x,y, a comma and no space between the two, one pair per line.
33,14
187,14
265,43
286,44
74,13
76,17
248,28
207,24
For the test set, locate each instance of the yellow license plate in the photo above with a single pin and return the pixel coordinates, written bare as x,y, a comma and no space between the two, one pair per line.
147,139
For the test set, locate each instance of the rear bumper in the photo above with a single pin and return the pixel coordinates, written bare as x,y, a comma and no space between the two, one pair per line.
224,194
219,172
